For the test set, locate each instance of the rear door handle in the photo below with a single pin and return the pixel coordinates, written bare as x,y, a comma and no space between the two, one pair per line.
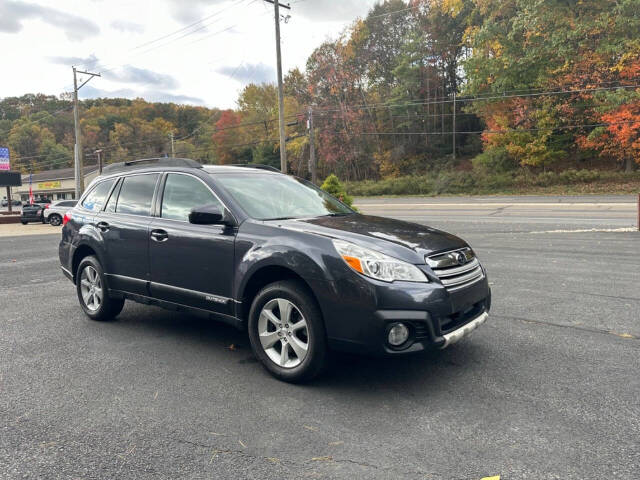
159,235
103,226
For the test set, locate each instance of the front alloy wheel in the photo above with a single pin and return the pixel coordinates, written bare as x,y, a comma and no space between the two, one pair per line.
287,331
283,333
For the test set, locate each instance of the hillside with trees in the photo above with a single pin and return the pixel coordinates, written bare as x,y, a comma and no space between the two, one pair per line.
429,88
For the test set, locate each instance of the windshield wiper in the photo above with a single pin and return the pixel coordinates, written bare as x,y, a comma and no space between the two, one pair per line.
337,214
279,218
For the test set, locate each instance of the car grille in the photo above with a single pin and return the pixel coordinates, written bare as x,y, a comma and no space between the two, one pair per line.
456,269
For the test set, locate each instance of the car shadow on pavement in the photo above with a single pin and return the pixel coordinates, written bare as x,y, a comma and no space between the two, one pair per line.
345,371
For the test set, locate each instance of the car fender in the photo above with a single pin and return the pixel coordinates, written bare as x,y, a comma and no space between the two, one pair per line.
88,236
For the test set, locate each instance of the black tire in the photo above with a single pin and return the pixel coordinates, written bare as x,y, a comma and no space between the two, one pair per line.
314,333
23,222
55,219
107,308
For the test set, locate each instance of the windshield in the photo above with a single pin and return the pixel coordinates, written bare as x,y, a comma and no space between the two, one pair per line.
275,197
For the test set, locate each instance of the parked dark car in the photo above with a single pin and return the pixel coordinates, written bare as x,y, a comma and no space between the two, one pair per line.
14,203
271,254
32,213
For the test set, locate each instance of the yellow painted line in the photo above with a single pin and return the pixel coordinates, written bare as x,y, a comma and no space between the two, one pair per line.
496,477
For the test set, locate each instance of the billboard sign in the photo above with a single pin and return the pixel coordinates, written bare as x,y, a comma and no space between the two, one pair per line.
10,179
4,159
49,185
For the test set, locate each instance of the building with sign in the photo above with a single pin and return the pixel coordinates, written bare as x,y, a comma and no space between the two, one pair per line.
52,184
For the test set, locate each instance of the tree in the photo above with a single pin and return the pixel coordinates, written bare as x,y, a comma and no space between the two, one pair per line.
332,186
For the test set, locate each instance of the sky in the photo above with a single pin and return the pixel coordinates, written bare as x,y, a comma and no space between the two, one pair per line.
201,52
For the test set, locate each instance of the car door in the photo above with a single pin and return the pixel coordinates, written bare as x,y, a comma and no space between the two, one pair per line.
124,227
190,264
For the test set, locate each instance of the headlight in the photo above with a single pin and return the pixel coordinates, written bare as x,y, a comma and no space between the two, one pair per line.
378,265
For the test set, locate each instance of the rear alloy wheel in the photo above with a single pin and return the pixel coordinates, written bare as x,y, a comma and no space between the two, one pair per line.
287,332
91,288
55,219
92,291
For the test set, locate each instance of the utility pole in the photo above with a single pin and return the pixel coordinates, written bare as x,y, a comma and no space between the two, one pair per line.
98,153
312,148
283,146
10,200
173,148
79,173
453,131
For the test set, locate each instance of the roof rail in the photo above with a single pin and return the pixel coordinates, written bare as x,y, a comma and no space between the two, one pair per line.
259,166
152,162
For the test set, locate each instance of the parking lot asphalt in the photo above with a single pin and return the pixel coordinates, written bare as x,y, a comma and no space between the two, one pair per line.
548,388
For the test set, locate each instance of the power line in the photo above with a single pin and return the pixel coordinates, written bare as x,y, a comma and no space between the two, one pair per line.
440,100
509,130
187,27
218,12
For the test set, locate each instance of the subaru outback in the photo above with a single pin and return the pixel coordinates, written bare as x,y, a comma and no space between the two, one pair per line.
273,255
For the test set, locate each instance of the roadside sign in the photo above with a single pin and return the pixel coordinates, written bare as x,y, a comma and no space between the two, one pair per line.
4,159
49,185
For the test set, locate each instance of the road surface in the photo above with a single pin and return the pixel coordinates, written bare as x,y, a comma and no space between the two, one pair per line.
548,388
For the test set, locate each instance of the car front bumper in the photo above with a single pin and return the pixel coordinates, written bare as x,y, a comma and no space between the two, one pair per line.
358,313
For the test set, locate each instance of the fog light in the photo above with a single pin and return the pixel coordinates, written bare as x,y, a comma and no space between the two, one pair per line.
398,334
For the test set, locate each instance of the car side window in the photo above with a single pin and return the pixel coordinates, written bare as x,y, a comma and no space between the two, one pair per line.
182,193
97,196
136,194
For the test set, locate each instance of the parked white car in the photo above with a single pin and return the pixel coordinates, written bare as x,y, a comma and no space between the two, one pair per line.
54,212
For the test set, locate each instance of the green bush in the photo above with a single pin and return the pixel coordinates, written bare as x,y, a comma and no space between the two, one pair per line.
481,182
333,186
578,176
494,161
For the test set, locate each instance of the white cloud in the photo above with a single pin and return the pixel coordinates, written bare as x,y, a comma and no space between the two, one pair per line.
248,73
174,63
143,76
151,95
14,13
126,27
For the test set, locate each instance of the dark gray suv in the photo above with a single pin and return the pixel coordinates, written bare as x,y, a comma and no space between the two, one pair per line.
272,254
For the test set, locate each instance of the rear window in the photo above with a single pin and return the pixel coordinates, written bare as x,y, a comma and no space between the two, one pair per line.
97,196
136,194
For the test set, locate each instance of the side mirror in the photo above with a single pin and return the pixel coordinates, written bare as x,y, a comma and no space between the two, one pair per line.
210,215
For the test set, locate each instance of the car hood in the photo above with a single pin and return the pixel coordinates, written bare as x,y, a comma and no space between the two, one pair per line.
405,240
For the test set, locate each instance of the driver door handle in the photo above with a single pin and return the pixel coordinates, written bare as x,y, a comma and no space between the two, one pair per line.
103,226
159,235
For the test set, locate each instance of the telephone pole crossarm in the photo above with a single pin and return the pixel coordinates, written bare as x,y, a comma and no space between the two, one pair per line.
287,6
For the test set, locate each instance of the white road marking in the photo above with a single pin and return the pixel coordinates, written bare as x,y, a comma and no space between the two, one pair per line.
630,205
589,230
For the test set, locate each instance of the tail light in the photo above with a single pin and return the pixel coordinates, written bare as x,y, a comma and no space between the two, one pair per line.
66,218
47,205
